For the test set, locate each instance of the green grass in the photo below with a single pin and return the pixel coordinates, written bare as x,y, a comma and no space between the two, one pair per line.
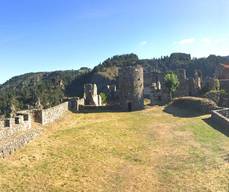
149,150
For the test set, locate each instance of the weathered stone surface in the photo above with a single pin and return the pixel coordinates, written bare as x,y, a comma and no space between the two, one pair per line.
50,115
91,96
12,126
221,117
13,144
16,132
222,71
188,87
76,103
131,88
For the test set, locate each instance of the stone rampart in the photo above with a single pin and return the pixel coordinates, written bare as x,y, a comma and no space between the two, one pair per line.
16,132
8,147
50,115
221,117
10,126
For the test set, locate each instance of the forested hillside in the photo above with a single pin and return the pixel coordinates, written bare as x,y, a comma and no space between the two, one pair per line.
51,88
30,89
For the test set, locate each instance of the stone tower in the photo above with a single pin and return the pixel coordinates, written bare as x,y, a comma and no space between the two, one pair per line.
91,96
131,88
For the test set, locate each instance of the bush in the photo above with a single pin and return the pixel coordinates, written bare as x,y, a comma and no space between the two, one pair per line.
214,95
171,82
202,105
104,97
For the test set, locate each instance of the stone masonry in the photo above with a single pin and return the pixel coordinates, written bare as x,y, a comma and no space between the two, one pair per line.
50,115
131,88
16,132
91,95
221,117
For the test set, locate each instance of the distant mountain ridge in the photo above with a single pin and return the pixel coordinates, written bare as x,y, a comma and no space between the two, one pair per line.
50,88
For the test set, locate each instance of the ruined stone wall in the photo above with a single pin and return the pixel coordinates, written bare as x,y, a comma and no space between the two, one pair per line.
76,103
222,71
50,115
91,96
81,101
224,84
16,132
11,126
148,78
7,147
183,89
221,117
131,88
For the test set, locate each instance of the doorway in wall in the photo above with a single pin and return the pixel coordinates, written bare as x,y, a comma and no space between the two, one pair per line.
129,106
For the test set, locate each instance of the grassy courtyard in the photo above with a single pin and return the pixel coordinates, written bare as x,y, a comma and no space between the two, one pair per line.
149,150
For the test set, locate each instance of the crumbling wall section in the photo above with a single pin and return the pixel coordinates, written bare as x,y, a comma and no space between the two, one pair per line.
8,147
50,115
91,96
16,132
10,126
221,117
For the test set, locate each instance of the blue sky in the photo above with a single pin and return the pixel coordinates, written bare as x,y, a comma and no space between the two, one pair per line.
46,35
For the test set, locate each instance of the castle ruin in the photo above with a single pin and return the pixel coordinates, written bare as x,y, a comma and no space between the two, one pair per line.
91,96
18,130
222,73
188,86
131,88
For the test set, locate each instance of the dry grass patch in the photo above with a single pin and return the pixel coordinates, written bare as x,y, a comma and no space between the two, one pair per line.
148,150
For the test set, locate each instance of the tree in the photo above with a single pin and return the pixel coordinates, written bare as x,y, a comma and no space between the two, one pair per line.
216,84
171,82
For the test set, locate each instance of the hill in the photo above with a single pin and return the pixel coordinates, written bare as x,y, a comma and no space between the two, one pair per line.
48,88
51,88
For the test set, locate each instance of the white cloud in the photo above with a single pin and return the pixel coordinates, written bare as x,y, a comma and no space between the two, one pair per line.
206,40
202,47
143,43
188,41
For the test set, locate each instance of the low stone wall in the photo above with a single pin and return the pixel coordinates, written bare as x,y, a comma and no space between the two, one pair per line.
50,115
16,132
221,117
10,126
12,145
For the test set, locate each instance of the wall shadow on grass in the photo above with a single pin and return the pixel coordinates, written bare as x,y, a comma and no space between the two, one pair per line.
98,109
217,127
103,109
179,112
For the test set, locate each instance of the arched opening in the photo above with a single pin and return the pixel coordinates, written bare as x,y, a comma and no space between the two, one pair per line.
129,106
159,98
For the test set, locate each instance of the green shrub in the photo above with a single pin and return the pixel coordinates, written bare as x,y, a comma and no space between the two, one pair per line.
104,97
171,82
